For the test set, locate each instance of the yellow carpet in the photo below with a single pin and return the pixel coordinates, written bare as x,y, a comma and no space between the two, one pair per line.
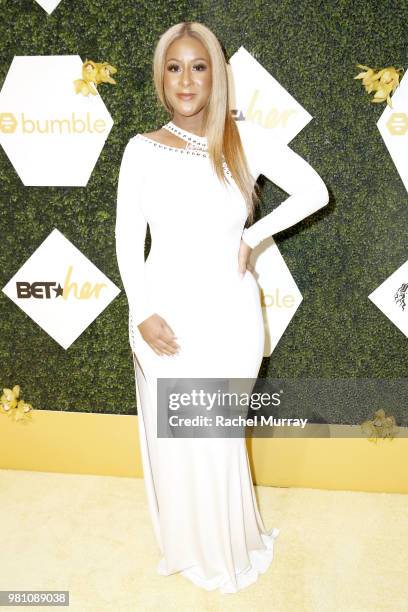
337,551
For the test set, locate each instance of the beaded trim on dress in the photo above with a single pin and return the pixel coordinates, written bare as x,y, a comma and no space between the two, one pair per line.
193,140
196,145
159,145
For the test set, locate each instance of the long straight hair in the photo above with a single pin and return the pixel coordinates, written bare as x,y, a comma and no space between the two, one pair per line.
222,134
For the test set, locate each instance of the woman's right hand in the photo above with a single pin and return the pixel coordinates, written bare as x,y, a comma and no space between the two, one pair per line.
158,335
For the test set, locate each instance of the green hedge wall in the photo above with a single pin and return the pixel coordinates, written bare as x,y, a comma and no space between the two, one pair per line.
337,257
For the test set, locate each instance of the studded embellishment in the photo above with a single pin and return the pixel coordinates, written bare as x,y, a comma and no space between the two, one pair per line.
193,141
132,333
159,145
196,145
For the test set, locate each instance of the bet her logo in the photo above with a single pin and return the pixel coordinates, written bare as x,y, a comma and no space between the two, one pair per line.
42,289
73,125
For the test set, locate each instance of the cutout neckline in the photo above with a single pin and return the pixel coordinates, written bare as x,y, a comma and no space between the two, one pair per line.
194,143
189,137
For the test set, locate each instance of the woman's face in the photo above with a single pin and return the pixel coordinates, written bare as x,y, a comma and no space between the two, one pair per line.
187,71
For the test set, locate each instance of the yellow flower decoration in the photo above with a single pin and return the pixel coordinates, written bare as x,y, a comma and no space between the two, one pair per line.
383,82
15,408
93,74
380,426
103,74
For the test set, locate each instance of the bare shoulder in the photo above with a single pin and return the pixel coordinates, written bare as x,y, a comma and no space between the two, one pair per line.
166,138
156,135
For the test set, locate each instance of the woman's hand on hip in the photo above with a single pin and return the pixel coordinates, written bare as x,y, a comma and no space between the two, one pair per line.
243,258
159,335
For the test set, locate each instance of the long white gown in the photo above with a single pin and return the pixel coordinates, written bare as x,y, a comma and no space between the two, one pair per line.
200,493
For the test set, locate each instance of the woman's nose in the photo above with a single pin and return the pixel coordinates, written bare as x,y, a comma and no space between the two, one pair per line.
186,78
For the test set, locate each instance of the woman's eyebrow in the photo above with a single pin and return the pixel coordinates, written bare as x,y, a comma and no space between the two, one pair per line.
194,59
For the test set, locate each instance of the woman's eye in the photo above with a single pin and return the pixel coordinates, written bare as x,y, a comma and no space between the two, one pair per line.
200,67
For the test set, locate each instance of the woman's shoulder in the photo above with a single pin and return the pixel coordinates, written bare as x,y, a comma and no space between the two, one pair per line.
135,154
137,145
155,135
164,137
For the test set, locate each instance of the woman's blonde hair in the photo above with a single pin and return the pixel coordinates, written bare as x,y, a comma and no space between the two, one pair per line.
223,137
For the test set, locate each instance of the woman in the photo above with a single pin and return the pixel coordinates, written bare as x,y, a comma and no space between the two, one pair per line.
194,306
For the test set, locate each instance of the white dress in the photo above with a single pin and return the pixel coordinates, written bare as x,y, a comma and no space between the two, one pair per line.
200,493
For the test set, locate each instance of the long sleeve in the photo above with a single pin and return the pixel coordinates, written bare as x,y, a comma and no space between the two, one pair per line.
284,167
130,234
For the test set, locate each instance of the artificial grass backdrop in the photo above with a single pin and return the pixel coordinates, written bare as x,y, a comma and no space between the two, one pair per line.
337,257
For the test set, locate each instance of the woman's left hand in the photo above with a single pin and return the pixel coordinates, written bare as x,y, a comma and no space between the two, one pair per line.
243,258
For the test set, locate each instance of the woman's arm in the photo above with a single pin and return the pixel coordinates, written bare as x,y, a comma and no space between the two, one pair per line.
130,234
280,164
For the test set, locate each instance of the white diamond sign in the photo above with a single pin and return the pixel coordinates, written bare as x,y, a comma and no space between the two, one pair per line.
52,135
48,5
391,297
259,98
280,296
60,289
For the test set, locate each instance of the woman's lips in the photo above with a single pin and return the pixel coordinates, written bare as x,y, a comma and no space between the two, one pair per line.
185,96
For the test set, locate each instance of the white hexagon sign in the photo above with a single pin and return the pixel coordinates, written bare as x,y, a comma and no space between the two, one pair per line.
393,126
48,5
52,136
259,98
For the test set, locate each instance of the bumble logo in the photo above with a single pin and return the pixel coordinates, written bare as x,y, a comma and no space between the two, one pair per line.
71,125
8,123
397,124
276,300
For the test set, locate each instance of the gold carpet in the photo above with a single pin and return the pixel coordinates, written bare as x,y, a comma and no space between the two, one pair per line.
337,551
